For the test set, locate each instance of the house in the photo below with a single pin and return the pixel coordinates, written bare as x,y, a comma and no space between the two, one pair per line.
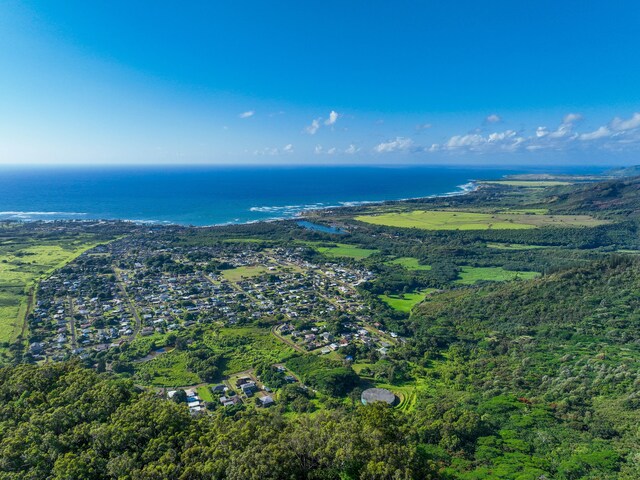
326,336
218,388
248,388
229,401
266,401
242,381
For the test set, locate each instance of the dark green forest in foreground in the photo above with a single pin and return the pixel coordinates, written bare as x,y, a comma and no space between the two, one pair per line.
526,380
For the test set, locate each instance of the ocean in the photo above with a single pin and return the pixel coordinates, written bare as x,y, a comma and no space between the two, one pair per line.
217,195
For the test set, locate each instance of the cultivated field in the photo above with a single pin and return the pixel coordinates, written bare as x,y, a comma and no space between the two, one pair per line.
458,220
528,183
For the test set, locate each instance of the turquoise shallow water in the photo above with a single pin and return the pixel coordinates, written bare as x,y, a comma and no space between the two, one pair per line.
218,195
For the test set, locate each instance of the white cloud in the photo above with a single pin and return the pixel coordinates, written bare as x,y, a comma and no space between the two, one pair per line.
275,151
399,144
564,130
247,114
332,151
493,118
329,121
424,126
508,140
619,124
571,118
470,140
318,149
333,117
352,149
542,132
313,128
601,132
619,134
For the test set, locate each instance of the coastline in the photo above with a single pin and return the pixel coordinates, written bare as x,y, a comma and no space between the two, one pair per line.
298,212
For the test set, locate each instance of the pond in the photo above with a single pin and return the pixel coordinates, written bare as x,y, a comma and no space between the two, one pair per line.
320,228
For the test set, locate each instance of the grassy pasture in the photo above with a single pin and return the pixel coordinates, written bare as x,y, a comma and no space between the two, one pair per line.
168,370
205,393
405,302
241,273
525,211
245,347
410,263
472,275
458,220
528,183
21,264
514,246
344,250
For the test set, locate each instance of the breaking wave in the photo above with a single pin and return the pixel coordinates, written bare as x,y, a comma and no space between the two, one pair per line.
290,211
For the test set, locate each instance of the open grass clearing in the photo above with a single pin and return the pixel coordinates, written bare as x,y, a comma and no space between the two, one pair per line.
459,220
241,273
169,370
514,246
472,275
405,302
528,183
525,211
205,393
22,264
245,347
344,250
410,263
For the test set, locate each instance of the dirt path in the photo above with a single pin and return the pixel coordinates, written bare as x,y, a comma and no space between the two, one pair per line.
25,320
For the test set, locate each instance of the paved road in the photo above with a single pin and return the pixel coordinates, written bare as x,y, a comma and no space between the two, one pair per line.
276,333
132,307
72,323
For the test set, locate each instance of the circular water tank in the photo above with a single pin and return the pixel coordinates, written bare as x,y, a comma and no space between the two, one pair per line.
372,395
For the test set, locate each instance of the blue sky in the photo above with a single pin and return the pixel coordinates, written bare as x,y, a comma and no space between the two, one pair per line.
338,82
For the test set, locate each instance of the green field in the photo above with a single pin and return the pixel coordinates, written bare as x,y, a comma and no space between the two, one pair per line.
344,250
241,273
205,393
514,246
405,302
457,220
530,211
410,263
528,183
21,264
471,275
245,240
168,370
245,347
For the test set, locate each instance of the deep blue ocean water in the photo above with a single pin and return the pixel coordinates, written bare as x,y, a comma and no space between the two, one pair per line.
219,195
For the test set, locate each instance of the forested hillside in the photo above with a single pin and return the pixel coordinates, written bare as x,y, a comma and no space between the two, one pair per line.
65,422
527,380
548,370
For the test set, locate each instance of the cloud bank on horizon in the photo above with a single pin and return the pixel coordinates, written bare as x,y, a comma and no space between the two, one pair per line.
405,83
